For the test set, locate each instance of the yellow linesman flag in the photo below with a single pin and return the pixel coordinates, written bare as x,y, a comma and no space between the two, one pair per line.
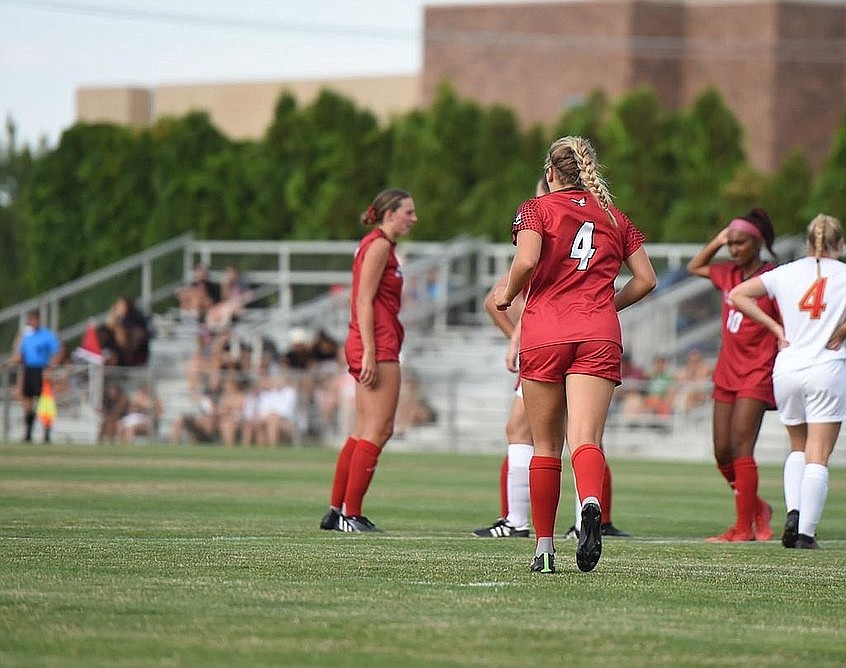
46,407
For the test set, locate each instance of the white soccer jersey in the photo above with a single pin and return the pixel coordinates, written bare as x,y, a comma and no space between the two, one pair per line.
811,310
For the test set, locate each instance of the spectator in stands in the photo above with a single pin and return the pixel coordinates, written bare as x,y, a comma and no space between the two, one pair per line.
251,426
38,350
692,381
413,409
235,295
202,367
142,418
324,348
334,395
231,408
743,386
198,296
373,348
200,426
277,411
114,409
300,353
630,394
130,332
660,390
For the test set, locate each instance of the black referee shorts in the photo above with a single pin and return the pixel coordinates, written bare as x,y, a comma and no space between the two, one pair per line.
33,376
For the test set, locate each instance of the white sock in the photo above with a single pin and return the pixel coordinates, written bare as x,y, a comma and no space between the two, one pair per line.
577,506
814,492
519,457
794,469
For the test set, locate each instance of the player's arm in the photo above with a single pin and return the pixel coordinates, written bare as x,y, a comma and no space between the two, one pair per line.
641,283
504,320
744,298
699,264
372,267
522,267
837,337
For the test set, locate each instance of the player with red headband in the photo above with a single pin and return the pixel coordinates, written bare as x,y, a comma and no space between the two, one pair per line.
743,387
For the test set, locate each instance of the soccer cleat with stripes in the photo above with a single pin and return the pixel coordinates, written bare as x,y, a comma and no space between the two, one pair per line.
543,563
791,529
329,522
589,548
572,533
356,524
502,529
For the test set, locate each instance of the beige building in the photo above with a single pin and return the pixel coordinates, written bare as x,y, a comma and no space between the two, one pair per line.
241,110
778,64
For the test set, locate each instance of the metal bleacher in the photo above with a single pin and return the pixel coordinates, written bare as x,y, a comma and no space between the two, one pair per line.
451,347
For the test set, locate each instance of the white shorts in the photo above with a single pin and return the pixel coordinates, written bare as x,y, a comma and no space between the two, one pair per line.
814,394
133,420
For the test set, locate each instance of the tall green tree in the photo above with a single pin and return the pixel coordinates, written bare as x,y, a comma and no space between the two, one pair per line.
341,167
186,195
705,151
636,155
88,202
15,167
829,195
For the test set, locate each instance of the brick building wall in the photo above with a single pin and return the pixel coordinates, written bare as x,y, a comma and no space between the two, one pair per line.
778,65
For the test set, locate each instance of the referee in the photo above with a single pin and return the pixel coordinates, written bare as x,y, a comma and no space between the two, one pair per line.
37,350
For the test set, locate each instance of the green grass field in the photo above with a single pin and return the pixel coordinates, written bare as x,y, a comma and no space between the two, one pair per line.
192,556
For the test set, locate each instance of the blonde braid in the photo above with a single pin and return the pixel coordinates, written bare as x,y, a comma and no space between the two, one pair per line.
825,235
589,174
819,231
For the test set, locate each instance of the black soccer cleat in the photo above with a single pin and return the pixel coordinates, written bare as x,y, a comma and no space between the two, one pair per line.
804,542
791,529
608,529
329,522
589,548
357,524
543,563
502,529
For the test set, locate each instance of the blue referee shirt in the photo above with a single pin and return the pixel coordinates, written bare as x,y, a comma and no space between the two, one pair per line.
38,347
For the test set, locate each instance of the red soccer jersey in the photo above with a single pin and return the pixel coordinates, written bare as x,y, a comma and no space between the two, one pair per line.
571,293
748,349
387,328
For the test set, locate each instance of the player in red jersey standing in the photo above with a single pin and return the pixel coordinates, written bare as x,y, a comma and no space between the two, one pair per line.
743,386
571,245
372,350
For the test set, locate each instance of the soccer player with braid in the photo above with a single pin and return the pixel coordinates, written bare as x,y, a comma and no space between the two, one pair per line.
571,245
809,376
372,348
743,387
513,521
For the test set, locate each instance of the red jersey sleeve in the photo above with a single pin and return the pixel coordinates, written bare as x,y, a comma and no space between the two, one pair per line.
526,218
633,239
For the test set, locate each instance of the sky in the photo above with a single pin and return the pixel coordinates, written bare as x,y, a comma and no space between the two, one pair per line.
49,48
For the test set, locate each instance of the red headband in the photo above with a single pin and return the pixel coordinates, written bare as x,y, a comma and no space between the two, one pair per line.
743,225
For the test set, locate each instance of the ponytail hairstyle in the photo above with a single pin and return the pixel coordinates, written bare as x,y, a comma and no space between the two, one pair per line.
573,159
386,201
761,219
825,235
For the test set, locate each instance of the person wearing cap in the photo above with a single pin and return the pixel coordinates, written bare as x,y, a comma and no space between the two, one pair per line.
743,385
